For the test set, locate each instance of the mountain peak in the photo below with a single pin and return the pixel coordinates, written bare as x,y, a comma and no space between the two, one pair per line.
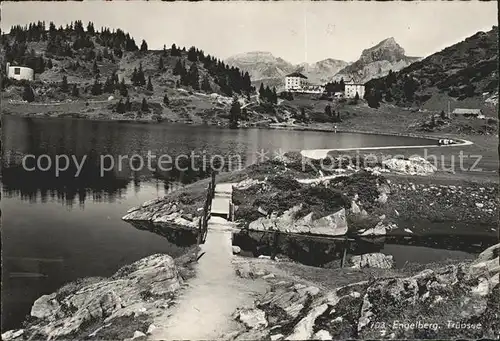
388,41
388,49
377,60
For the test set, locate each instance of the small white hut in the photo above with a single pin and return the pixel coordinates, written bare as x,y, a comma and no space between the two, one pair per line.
20,72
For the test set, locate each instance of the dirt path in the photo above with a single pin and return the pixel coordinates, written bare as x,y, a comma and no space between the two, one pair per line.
204,310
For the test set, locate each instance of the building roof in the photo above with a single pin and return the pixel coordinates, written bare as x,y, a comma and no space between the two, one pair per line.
462,111
296,74
353,81
19,66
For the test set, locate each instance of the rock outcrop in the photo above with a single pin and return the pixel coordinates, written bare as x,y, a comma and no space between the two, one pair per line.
451,302
372,260
142,288
159,211
334,224
412,166
376,62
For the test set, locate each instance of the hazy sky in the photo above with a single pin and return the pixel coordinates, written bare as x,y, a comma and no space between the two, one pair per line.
296,31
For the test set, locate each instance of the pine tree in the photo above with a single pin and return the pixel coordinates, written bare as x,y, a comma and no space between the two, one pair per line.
64,84
96,88
409,88
95,68
161,66
193,77
128,105
134,77
166,100
388,95
144,46
144,105
328,110
140,76
192,56
303,116
123,88
108,86
274,96
28,94
247,83
356,97
235,113
433,120
262,92
75,92
179,69
120,107
164,50
268,94
443,115
372,96
205,85
174,52
150,85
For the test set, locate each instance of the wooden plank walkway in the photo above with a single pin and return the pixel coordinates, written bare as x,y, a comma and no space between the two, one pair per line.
222,200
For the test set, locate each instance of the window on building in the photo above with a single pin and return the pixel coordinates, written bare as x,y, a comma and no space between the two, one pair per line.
17,70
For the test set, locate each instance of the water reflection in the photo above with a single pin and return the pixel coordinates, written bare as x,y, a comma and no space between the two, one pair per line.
174,235
327,252
78,139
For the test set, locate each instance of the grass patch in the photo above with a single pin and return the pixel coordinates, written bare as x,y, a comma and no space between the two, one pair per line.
280,193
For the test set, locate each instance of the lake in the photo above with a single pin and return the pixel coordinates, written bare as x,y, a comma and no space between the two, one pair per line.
60,228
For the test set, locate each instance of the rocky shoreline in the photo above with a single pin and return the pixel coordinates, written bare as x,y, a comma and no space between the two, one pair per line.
119,307
455,301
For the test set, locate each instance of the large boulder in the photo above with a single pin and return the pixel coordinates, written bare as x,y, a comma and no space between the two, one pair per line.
253,318
12,334
159,211
372,260
379,230
412,166
334,224
487,264
45,306
135,289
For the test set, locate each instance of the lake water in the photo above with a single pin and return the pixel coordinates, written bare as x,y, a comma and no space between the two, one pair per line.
56,229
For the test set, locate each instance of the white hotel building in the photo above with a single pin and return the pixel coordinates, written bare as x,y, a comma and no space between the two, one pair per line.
352,87
295,81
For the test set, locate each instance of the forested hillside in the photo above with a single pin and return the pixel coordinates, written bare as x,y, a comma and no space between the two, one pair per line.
93,62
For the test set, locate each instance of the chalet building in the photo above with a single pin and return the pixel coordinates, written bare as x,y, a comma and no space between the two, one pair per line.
352,87
476,113
20,72
312,89
295,81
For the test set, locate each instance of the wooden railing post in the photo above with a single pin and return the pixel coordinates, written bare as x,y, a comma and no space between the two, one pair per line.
207,207
344,254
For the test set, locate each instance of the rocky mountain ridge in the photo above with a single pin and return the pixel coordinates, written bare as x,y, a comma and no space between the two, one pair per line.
376,62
